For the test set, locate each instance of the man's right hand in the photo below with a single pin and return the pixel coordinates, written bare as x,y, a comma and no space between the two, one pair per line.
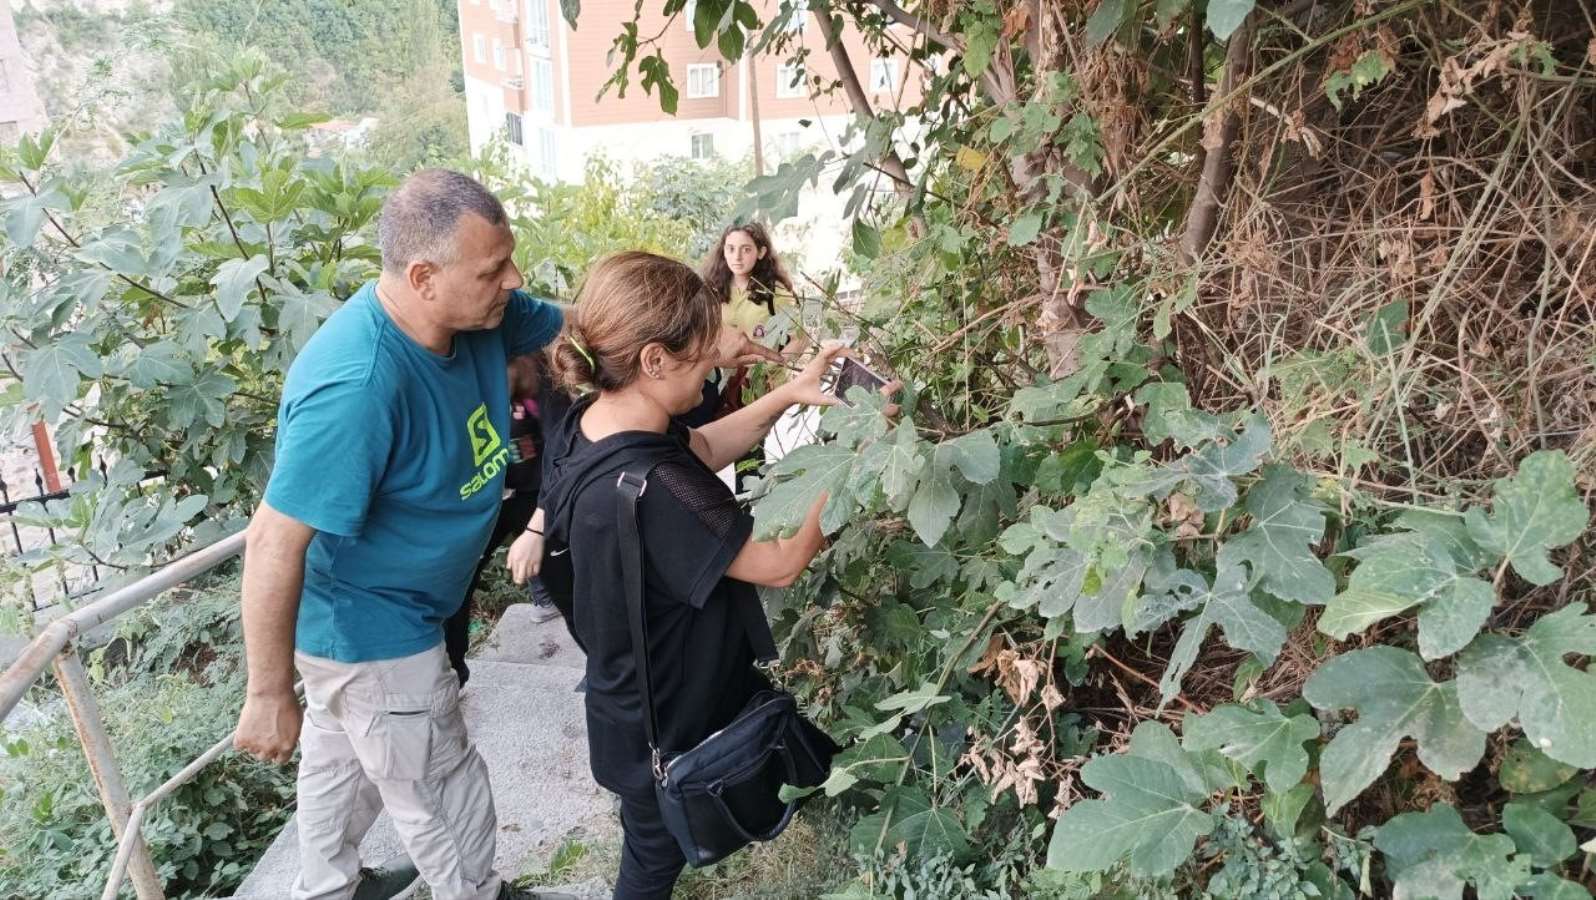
268,726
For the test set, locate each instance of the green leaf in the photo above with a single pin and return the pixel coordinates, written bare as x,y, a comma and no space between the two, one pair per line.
160,363
1225,16
1532,512
1278,546
1539,833
922,697
1207,472
1500,678
52,371
935,503
980,39
1526,770
925,829
1433,854
300,314
1148,814
866,239
1228,604
926,565
234,279
1169,415
1388,328
1262,735
1104,21
200,400
902,465
1395,698
1025,228
1284,811
570,10
26,214
1406,571
858,423
1546,886
975,455
808,471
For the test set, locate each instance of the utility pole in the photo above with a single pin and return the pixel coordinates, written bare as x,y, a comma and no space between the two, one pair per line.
753,98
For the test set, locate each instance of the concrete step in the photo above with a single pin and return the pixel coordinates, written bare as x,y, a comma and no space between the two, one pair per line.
533,635
528,724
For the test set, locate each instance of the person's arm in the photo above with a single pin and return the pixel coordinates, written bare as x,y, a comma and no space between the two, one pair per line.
274,573
526,553
778,562
724,441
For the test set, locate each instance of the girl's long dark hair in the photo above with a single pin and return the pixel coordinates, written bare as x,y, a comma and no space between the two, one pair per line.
767,275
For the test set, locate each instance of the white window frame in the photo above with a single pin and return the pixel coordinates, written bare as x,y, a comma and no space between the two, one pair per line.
542,83
692,145
699,91
883,75
688,12
498,54
547,148
786,144
479,48
537,24
789,87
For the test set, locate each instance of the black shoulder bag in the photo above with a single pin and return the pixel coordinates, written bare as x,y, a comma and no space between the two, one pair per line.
722,794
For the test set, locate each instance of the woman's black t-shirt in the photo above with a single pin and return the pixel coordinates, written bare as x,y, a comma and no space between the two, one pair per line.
702,663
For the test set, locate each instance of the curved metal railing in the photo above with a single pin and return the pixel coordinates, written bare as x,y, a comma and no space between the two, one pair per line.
56,647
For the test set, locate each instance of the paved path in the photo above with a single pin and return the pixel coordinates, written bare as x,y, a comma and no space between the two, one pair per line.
527,721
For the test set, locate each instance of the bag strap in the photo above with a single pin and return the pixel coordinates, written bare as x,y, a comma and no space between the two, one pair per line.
629,488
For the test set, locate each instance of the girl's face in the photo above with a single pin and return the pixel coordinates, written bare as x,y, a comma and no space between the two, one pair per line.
741,252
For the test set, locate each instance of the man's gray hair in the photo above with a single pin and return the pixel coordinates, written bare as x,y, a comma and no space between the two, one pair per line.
420,217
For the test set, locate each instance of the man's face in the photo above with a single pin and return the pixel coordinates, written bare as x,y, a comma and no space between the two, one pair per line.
471,293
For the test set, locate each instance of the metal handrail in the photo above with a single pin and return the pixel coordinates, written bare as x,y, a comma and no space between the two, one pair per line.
55,646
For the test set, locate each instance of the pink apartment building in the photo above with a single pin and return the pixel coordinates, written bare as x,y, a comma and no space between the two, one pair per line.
532,79
21,111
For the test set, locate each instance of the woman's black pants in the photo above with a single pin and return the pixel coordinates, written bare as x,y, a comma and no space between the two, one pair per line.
650,859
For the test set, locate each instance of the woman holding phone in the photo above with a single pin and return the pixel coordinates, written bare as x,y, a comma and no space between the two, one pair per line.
641,338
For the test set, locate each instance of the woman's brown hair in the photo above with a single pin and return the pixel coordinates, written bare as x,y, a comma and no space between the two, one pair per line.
767,275
628,301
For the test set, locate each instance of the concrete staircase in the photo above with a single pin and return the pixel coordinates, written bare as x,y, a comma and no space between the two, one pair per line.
527,722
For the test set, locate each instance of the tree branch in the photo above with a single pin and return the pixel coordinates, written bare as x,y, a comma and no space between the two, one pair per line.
890,161
903,17
1219,137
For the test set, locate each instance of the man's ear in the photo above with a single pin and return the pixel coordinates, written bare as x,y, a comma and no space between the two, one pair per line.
421,276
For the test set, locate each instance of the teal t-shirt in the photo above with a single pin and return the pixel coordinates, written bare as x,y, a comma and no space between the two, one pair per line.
396,456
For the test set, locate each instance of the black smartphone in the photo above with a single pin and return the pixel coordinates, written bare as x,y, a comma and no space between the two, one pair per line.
855,374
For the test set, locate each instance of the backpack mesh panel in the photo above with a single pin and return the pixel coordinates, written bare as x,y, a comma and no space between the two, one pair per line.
700,492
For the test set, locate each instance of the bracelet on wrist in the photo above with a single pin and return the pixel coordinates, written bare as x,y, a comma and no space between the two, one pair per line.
531,530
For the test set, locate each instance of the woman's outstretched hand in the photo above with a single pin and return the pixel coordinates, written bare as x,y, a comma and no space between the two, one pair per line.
807,387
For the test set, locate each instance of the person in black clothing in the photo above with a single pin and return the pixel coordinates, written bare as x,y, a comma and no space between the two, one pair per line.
641,338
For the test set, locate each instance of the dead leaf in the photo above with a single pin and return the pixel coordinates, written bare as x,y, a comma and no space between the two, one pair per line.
1185,516
1590,52
1016,21
1051,698
1427,196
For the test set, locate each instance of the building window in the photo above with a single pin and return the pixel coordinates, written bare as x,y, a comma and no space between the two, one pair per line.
784,145
546,150
537,25
512,128
543,86
703,80
703,146
498,54
516,69
883,75
790,81
479,48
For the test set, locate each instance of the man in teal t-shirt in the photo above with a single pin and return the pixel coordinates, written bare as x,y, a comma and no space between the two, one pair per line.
391,451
